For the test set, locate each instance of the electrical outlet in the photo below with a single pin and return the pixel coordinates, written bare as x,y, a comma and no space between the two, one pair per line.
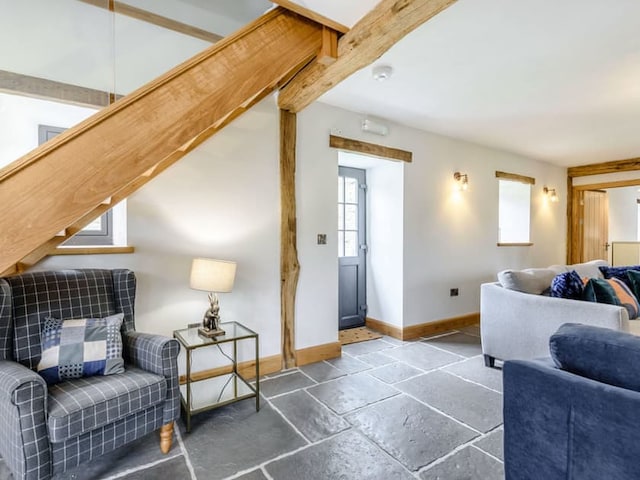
322,239
453,292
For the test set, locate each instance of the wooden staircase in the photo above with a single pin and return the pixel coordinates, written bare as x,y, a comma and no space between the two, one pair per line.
54,191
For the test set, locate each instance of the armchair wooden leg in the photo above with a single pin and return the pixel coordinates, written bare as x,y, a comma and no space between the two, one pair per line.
166,436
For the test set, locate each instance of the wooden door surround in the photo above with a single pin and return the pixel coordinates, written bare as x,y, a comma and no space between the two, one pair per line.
575,194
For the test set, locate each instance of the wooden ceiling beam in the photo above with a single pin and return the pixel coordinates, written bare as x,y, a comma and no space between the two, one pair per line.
372,36
155,19
311,15
616,166
36,87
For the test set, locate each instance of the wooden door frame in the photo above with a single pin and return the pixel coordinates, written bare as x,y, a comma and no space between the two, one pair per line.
575,193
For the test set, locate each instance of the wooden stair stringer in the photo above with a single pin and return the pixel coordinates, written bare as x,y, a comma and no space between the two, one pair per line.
63,184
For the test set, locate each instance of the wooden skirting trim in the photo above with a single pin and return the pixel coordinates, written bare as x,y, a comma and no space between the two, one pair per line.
102,250
367,148
423,329
384,328
309,355
268,365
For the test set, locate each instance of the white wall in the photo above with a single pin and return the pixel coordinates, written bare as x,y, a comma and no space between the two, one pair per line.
623,214
222,201
20,117
449,240
386,234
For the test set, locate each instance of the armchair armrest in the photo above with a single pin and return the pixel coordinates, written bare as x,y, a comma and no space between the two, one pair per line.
159,355
24,441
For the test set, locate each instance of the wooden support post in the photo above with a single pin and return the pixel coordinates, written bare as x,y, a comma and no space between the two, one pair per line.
329,50
289,266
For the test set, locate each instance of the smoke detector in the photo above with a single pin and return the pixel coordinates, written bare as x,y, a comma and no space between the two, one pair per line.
382,72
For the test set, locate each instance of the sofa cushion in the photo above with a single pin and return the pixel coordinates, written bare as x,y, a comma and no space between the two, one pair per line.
567,285
602,354
613,292
619,272
81,405
531,280
81,348
589,269
633,277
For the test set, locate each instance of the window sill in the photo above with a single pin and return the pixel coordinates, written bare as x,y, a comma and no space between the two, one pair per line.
93,250
524,244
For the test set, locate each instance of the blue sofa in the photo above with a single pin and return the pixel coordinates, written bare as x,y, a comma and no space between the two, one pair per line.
575,415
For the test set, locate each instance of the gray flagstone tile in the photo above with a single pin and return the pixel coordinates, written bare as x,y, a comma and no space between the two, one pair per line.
362,348
493,443
354,391
471,330
314,420
459,343
322,371
235,437
140,452
346,456
396,372
474,369
176,468
394,341
469,403
423,356
349,364
376,359
467,464
285,383
255,475
409,431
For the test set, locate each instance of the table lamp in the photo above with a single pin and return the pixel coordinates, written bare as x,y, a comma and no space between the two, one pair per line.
213,276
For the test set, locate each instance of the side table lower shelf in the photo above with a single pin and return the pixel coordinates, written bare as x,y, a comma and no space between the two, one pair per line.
217,391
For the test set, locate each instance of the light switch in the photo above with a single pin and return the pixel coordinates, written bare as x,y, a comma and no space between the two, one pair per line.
322,239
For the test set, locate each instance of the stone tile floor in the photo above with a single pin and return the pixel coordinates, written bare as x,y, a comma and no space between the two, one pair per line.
425,409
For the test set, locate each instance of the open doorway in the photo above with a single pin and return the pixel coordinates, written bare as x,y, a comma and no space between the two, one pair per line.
380,241
605,222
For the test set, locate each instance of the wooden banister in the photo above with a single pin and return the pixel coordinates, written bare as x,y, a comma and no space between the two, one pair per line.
63,184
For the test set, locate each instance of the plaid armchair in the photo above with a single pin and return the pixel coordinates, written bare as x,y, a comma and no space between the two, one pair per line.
51,428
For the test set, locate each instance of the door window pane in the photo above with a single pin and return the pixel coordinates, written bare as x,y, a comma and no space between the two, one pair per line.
350,190
351,217
341,244
341,216
350,244
341,189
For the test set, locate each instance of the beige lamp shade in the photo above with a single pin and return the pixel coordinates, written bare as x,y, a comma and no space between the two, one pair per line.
212,275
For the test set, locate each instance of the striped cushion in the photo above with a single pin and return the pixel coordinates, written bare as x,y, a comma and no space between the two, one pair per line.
612,291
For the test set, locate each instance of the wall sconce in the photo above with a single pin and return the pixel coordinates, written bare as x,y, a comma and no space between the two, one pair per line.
462,180
551,194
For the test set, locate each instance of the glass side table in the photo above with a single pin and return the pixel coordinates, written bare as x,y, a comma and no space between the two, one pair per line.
204,392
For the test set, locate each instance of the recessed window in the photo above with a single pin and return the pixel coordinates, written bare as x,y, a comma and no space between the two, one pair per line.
514,209
99,231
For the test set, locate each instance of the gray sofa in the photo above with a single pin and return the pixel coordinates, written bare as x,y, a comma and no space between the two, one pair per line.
516,325
48,429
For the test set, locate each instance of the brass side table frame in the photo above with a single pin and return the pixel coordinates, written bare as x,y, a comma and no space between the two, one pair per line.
235,388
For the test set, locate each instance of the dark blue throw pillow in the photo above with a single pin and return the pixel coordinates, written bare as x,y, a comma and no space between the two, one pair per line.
619,272
567,285
608,356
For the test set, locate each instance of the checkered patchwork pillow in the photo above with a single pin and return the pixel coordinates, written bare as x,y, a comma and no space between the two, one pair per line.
81,348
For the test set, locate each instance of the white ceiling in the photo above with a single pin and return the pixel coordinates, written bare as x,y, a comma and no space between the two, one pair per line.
553,80
549,79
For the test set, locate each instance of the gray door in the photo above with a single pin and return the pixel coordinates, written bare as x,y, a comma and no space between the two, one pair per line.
352,248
